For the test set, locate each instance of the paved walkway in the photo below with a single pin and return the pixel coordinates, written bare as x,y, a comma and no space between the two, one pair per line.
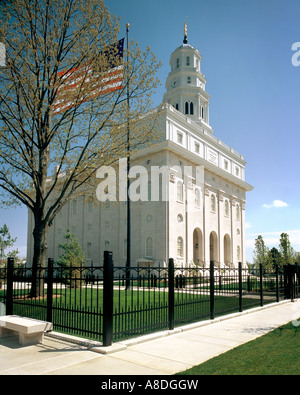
163,353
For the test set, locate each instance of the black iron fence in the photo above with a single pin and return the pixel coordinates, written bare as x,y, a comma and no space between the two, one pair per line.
111,303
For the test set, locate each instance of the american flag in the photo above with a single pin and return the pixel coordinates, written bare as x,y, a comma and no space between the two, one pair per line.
84,84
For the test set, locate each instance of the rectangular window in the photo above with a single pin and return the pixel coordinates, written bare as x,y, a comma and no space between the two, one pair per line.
188,61
179,138
197,148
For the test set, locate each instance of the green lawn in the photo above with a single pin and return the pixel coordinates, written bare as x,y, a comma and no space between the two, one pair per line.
276,353
136,312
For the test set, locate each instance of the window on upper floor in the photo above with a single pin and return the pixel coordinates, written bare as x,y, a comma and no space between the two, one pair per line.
180,191
213,203
197,197
188,61
188,80
179,138
186,108
226,208
189,108
237,211
177,63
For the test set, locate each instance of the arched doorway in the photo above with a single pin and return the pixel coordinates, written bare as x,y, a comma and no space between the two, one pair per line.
213,247
197,247
227,250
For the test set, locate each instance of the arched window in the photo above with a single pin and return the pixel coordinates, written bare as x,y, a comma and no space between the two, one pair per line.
213,203
149,247
189,108
186,108
180,191
197,197
180,246
192,108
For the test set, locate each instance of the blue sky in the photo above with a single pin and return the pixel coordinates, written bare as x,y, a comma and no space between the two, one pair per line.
246,48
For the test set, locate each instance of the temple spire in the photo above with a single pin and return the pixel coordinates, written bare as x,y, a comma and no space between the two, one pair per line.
185,32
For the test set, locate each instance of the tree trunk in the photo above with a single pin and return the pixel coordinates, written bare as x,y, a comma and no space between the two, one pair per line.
39,260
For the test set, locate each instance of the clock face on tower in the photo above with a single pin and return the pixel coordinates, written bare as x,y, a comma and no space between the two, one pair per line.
174,83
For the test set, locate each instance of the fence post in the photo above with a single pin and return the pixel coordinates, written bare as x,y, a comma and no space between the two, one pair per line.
9,289
277,281
212,290
171,293
291,281
261,283
240,288
107,299
50,290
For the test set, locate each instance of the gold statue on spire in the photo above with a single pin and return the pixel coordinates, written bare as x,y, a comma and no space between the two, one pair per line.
185,32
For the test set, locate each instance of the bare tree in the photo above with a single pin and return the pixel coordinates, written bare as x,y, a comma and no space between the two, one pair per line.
64,97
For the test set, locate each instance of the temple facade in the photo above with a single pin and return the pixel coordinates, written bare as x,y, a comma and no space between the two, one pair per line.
194,210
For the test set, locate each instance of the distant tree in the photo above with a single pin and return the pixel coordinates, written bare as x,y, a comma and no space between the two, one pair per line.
261,254
6,241
72,259
275,256
286,250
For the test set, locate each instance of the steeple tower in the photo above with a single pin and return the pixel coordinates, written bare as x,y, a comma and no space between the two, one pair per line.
185,85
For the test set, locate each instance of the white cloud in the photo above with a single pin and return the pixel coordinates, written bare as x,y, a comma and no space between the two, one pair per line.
276,203
247,225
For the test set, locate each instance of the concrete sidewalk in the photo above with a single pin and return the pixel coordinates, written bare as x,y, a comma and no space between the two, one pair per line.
162,353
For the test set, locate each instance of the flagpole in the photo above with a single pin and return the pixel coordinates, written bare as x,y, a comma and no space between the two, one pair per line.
128,261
